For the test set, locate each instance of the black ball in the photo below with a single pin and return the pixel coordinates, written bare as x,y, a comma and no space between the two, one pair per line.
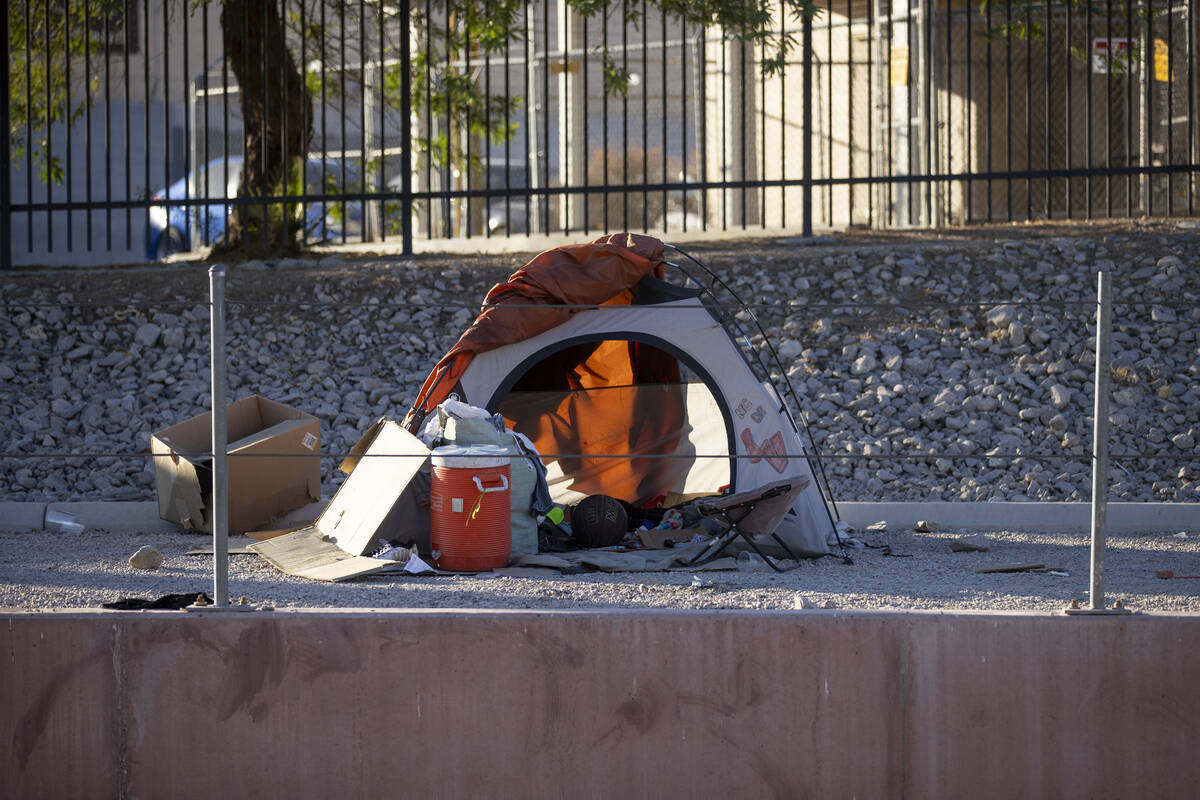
599,521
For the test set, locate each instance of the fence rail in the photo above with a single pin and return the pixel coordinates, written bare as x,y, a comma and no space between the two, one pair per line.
129,132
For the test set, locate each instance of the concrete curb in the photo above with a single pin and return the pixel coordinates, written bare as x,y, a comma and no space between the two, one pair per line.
22,516
1122,517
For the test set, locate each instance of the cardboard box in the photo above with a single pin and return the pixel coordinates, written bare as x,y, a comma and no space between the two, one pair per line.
365,509
284,476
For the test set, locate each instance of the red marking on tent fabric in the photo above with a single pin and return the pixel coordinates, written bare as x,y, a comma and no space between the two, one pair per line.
772,450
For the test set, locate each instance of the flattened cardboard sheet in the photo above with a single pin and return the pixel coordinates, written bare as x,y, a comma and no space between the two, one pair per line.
332,548
308,554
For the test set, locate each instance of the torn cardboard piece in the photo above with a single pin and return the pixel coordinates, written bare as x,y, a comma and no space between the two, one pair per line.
283,473
331,549
408,520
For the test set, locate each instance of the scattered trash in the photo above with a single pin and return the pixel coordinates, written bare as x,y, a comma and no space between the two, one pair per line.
63,522
750,562
1012,568
146,558
1167,575
844,528
172,602
1180,535
404,555
415,566
659,540
389,552
802,603
970,544
829,604
925,526
1041,569
671,521
878,527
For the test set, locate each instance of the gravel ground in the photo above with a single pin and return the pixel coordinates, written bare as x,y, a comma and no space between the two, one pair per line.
42,571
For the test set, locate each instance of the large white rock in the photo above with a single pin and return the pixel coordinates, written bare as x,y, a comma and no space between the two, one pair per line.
146,558
1060,396
1001,316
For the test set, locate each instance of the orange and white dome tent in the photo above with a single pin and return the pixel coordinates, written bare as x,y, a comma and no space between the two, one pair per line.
628,385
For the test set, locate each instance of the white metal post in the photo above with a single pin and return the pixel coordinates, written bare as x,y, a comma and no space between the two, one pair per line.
220,440
1100,440
1100,453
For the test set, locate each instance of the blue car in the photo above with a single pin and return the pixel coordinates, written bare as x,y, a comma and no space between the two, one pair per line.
174,228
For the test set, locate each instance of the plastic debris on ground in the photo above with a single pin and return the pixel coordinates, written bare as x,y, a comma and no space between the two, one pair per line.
406,556
63,522
750,562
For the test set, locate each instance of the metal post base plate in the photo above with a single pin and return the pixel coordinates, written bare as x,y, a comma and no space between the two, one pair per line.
1117,610
223,609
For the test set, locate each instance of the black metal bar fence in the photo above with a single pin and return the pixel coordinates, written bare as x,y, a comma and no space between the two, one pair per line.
427,121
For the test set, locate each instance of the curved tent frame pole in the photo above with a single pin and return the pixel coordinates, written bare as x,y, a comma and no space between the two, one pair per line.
812,454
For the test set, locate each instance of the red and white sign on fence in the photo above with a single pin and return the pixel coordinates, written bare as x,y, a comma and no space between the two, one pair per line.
1112,55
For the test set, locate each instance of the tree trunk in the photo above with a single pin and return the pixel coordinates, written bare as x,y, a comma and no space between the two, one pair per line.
277,115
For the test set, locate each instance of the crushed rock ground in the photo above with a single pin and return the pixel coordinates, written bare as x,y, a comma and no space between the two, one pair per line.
40,571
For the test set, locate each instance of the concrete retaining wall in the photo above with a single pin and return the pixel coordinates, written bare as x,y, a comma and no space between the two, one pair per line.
609,704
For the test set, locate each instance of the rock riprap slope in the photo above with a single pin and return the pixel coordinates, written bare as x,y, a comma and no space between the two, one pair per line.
924,361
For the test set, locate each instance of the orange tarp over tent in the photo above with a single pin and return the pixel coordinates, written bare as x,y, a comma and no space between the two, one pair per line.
596,398
598,272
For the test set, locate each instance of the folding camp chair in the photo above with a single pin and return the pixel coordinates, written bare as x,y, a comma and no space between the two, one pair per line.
751,514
